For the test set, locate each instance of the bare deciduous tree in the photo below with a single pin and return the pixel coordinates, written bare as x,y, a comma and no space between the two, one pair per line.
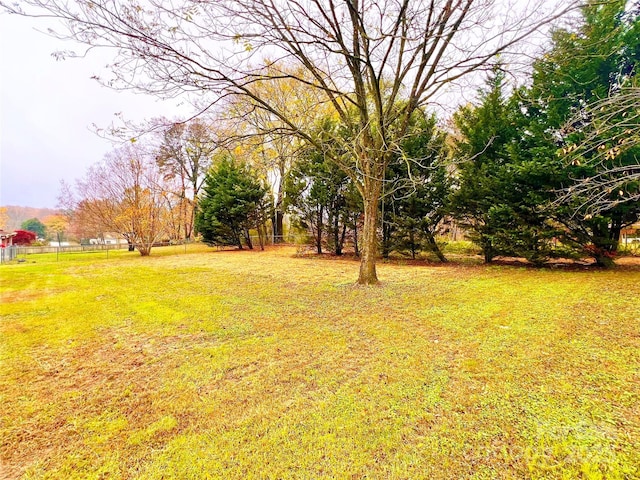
124,194
610,147
375,62
185,156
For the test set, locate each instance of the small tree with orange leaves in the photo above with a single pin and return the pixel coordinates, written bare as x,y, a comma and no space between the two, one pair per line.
124,194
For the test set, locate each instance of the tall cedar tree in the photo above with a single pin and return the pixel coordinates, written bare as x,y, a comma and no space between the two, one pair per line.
584,67
233,203
418,187
482,154
323,200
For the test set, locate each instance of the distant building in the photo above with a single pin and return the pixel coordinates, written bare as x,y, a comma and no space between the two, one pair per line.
630,234
6,238
108,239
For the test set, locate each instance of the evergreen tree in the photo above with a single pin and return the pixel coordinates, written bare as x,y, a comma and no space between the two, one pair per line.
418,187
499,194
584,67
36,226
234,201
323,200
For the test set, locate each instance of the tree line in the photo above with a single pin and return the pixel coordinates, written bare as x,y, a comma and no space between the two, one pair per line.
326,107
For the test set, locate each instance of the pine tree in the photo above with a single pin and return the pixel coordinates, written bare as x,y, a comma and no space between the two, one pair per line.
233,202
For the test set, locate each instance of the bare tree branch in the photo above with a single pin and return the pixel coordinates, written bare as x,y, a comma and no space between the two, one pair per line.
610,130
375,62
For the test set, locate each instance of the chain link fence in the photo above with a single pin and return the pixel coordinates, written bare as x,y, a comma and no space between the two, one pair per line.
13,252
8,253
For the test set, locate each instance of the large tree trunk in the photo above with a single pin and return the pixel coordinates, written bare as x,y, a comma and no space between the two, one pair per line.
368,275
605,261
487,248
429,233
605,242
412,243
261,235
191,219
144,247
614,233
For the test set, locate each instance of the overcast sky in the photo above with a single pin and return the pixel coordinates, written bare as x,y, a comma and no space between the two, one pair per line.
47,108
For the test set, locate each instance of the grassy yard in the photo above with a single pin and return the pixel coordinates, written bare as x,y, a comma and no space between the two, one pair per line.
245,365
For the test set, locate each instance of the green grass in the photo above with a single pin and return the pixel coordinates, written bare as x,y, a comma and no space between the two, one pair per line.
212,364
